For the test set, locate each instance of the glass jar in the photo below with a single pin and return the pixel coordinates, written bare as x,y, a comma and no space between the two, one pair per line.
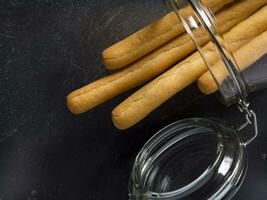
204,158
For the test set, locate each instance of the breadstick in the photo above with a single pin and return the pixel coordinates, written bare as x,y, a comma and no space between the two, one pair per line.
152,95
149,38
245,56
155,63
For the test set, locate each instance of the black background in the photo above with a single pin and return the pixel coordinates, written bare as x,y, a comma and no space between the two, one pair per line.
49,48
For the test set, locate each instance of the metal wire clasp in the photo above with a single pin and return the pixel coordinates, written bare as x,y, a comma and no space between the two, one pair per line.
251,119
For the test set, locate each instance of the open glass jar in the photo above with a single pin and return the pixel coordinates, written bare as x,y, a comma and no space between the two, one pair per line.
202,158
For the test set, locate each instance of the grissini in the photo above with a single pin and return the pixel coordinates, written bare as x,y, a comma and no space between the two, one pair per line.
154,63
149,38
245,56
144,101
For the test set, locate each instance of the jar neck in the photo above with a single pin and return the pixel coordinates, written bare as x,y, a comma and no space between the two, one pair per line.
199,21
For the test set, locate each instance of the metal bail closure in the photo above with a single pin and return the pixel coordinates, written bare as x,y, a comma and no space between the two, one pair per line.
250,117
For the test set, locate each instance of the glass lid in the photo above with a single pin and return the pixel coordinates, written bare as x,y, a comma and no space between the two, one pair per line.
190,159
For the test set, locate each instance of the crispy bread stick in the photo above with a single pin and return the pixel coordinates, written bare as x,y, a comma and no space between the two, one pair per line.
149,38
155,63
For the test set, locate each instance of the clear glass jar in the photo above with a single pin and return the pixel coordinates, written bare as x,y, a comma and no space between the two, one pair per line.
205,158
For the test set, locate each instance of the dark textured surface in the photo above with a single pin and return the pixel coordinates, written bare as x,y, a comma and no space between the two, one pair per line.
47,49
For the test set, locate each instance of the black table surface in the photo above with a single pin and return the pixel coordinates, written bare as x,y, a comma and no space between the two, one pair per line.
49,48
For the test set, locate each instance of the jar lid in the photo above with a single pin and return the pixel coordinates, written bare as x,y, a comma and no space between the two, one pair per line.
190,159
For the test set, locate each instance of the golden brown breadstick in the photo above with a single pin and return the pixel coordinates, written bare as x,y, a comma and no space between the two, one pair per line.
155,63
149,38
152,95
245,56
